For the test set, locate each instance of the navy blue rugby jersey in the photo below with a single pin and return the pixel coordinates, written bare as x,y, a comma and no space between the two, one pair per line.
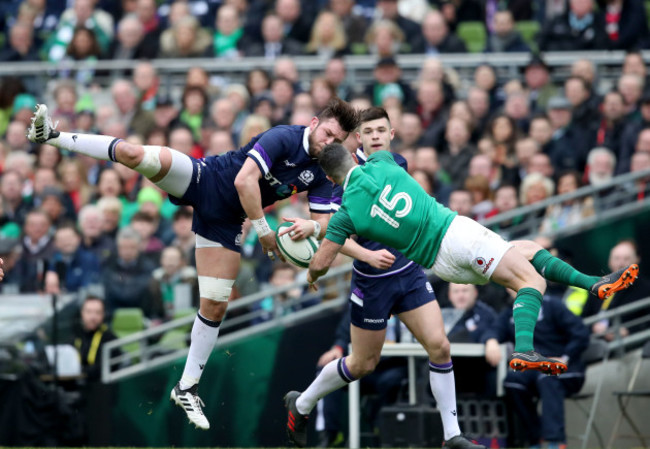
401,262
282,155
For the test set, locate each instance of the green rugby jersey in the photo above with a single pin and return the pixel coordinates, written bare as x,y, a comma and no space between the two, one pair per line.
382,202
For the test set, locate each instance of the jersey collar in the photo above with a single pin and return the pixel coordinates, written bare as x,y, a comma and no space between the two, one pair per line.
347,177
305,140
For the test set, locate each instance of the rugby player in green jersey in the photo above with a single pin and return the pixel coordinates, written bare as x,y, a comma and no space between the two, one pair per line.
383,203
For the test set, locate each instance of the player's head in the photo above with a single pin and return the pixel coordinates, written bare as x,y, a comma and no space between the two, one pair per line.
333,124
375,132
336,162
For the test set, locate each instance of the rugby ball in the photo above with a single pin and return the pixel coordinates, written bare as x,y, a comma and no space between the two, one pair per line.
297,252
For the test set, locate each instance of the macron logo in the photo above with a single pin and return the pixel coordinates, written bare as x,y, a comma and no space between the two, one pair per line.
373,320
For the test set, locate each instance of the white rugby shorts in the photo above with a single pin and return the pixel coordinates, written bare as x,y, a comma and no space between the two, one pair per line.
469,253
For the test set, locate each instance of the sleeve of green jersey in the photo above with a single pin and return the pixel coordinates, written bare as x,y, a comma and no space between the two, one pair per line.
340,227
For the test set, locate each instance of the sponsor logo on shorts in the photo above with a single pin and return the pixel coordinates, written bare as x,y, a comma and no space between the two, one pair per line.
238,239
198,173
429,287
373,320
306,177
483,264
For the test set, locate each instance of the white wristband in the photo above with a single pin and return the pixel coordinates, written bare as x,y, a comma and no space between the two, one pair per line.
317,228
261,227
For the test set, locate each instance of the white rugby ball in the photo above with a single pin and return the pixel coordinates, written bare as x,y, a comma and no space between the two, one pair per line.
297,252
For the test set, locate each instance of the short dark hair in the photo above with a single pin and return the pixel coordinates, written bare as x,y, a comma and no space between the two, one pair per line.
182,212
142,216
333,160
346,115
373,113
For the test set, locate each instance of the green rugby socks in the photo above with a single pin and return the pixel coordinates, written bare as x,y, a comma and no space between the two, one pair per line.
524,312
557,270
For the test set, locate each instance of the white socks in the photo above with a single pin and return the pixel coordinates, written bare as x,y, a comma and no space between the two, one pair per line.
333,376
204,337
443,387
89,144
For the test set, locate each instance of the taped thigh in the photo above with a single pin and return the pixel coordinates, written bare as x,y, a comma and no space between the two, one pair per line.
215,289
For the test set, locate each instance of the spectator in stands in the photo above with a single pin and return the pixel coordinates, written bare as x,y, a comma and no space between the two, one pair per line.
14,208
174,286
626,24
631,88
581,28
476,320
296,25
609,131
355,26
282,274
534,188
583,116
436,38
131,114
336,74
71,267
640,189
111,208
186,40
328,36
478,101
52,201
37,249
618,255
432,111
145,225
634,135
258,81
601,163
410,131
479,187
502,130
426,160
83,13
193,114
273,45
92,335
150,201
93,237
147,83
482,164
585,69
147,13
387,73
228,37
505,199
538,81
16,138
633,64
385,39
541,132
485,78
558,333
126,275
518,109
184,237
388,10
132,40
563,146
75,182
569,212
505,38
460,200
540,163
21,45
458,150
282,92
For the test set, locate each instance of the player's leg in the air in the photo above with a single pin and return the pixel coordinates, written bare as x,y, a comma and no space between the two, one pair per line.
217,266
556,270
426,324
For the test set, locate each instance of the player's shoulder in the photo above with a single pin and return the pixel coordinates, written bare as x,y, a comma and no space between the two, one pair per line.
381,156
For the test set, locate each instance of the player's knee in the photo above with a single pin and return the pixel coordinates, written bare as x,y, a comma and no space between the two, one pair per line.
439,349
365,366
527,248
129,154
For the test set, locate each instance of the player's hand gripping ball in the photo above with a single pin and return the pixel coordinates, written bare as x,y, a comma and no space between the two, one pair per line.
298,252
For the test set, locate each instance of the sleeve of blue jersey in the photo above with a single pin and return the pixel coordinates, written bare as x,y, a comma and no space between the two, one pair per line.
337,197
270,147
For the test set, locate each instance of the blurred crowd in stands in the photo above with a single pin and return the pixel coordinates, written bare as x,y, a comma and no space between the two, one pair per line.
483,145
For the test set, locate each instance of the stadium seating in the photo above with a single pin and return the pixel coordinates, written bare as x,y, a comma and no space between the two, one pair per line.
127,321
473,34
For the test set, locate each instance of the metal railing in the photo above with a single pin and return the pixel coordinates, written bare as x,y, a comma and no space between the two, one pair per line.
615,199
244,319
359,67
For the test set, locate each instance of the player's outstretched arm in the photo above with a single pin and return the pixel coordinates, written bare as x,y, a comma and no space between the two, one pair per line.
2,272
381,259
322,261
250,197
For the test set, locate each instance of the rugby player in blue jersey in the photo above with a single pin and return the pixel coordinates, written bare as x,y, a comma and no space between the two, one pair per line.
223,191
